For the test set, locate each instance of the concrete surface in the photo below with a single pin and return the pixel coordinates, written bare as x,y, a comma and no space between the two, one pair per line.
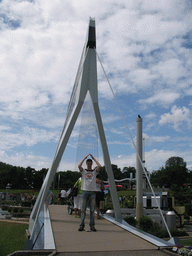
108,240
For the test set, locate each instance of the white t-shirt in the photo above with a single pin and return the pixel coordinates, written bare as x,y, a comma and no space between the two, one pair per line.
63,193
89,180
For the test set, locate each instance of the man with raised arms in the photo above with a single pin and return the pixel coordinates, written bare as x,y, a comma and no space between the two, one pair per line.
89,190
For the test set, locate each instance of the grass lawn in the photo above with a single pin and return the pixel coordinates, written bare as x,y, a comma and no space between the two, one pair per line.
12,237
27,191
15,191
121,193
186,242
126,192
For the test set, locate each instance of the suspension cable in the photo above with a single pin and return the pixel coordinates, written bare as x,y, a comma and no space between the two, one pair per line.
134,145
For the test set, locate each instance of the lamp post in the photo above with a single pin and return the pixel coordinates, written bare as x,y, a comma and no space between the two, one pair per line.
7,191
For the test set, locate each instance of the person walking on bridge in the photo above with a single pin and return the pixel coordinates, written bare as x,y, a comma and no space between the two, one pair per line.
89,190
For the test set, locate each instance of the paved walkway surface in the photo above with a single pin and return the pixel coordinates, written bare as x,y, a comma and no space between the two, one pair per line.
108,240
119,253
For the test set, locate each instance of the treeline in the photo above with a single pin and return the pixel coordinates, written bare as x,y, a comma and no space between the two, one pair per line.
29,178
21,178
173,175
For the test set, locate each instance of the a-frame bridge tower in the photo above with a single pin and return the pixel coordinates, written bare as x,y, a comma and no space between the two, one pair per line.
86,82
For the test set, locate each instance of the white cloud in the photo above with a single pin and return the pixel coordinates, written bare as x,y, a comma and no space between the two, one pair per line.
189,92
150,116
163,98
172,70
117,131
4,128
149,139
142,77
177,117
156,30
24,160
38,57
154,159
116,142
161,139
26,137
142,45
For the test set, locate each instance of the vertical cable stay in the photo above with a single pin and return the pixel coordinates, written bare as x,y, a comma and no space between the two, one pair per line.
88,133
134,145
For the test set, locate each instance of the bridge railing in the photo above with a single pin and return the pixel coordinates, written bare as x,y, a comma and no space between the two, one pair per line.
40,231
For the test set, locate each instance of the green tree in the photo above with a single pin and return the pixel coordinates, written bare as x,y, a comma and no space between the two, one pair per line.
67,179
127,171
29,176
103,174
117,172
39,176
175,161
16,177
174,173
4,179
4,174
118,175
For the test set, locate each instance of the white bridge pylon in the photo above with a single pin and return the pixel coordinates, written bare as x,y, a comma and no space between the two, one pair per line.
86,81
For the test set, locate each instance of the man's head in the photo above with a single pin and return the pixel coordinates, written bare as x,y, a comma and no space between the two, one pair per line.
89,163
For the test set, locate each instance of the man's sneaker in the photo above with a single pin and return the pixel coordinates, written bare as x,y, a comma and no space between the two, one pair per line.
75,216
80,229
93,229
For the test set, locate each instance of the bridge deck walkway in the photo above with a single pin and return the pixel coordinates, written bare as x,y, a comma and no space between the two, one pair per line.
108,238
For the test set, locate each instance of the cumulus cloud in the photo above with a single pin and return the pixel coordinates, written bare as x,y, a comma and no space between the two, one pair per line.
151,115
163,98
36,64
154,159
25,160
145,48
142,78
149,139
172,70
27,136
177,117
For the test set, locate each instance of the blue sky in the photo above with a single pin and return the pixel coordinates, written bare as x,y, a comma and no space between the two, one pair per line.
146,49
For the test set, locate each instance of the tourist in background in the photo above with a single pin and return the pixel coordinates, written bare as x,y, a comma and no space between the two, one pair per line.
63,196
77,199
99,196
